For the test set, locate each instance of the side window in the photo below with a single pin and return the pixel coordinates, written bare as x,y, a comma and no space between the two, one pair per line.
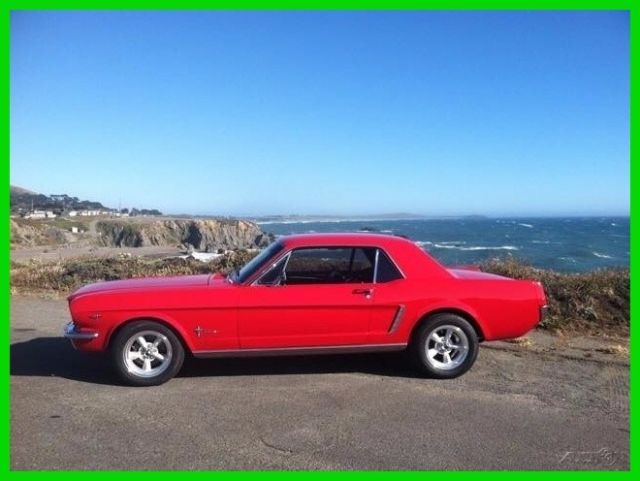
362,263
329,265
387,271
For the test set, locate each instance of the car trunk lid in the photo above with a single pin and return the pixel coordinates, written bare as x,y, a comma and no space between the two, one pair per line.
473,272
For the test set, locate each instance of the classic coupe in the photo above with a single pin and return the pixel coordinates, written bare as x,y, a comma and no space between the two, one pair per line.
306,294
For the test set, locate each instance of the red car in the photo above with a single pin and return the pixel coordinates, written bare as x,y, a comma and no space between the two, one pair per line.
319,293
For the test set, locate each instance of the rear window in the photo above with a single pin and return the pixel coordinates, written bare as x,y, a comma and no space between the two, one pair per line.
387,270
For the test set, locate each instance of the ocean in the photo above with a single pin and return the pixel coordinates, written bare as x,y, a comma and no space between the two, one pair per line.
572,244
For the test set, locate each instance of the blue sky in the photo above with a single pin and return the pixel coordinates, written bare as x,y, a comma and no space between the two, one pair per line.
251,113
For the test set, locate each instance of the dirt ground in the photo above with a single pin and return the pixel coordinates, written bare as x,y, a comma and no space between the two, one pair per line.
545,402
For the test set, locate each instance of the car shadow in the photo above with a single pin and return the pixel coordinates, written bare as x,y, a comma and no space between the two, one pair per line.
382,364
54,356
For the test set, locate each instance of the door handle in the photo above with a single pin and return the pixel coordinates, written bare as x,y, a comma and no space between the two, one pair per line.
366,292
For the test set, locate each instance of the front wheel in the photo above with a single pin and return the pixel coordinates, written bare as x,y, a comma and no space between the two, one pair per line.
445,346
146,353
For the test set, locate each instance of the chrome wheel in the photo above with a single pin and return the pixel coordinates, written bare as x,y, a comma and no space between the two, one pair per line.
147,353
447,347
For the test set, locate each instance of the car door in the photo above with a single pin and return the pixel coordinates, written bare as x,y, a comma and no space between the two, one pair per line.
390,303
318,296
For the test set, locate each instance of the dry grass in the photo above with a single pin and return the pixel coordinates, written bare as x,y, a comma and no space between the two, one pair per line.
596,301
521,341
618,350
69,274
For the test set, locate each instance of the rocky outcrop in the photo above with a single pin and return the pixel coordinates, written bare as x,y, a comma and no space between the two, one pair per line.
202,235
24,234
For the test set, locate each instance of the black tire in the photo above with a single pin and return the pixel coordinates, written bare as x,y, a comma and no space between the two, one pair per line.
132,372
435,366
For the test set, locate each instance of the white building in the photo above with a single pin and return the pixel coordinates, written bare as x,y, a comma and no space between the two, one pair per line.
40,214
90,212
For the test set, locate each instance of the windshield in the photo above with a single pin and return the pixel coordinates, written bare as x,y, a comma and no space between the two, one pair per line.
254,265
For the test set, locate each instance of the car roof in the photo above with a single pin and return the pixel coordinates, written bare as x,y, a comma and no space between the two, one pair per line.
343,238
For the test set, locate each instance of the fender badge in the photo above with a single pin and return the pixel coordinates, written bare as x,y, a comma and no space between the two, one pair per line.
200,331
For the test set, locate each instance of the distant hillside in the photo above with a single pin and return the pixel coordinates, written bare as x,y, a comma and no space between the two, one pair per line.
329,218
293,218
23,201
21,191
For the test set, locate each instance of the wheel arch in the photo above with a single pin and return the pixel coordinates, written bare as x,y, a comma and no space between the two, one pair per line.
467,316
180,334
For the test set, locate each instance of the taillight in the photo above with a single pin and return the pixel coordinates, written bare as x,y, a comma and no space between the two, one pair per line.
544,311
541,294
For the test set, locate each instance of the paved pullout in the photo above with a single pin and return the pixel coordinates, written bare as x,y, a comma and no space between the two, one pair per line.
521,406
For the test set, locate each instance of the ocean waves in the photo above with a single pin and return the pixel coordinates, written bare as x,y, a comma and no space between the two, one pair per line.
563,244
459,246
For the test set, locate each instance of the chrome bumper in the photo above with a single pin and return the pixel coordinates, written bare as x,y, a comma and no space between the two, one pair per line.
70,332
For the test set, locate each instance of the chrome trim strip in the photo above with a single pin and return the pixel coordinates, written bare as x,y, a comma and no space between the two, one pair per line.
375,266
71,333
295,351
396,319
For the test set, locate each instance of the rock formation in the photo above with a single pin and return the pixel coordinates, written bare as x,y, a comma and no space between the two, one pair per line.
201,235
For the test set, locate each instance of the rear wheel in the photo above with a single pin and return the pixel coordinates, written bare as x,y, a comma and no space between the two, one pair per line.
445,346
146,353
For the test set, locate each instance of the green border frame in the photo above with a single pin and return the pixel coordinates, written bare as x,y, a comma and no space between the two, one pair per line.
5,13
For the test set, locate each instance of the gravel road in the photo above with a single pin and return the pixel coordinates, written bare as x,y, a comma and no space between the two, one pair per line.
548,403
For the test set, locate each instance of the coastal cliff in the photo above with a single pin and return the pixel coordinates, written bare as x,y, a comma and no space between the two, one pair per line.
25,234
200,234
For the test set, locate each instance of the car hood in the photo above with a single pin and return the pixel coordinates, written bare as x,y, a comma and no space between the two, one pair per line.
148,283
